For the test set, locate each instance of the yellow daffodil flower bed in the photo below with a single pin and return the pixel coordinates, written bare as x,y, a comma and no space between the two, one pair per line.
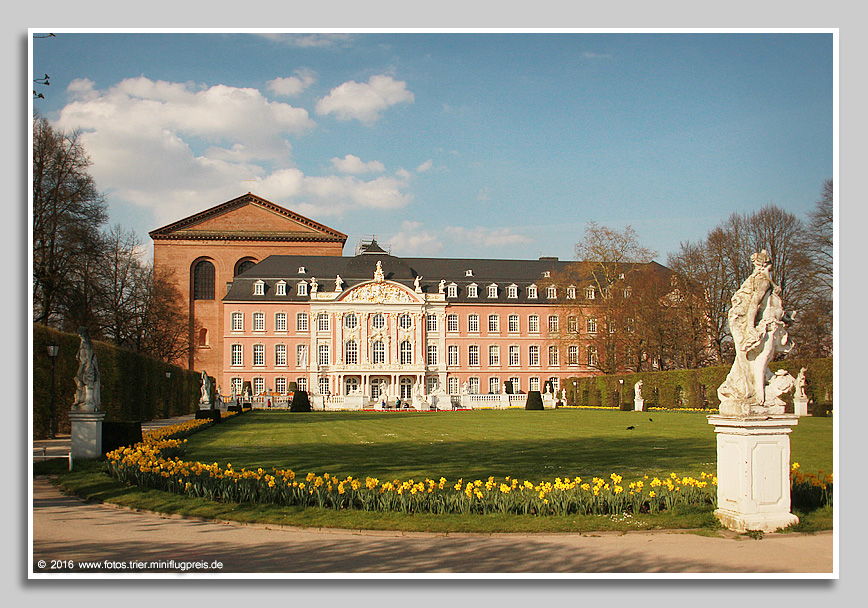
155,463
809,491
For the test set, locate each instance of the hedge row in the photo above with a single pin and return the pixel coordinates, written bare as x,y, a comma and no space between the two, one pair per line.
690,388
132,387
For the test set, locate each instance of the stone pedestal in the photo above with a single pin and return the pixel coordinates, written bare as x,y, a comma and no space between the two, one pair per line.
800,406
86,434
638,405
753,472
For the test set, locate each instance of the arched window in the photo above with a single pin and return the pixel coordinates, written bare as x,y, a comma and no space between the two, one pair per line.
378,352
243,265
406,353
203,281
203,337
351,354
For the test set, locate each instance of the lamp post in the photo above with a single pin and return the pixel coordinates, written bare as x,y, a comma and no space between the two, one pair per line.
53,349
166,402
620,391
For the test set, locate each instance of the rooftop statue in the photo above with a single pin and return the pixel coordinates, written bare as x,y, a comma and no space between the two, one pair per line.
758,326
87,379
378,273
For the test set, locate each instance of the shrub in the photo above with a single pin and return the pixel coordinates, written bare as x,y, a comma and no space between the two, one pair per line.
534,401
120,434
208,415
300,402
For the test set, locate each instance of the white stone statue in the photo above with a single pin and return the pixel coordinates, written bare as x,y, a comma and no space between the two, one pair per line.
378,273
637,390
339,283
441,287
800,385
416,285
87,379
782,382
205,399
502,388
313,285
758,326
464,388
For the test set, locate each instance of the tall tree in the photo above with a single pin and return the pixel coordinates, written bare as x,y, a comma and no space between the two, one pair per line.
123,284
67,213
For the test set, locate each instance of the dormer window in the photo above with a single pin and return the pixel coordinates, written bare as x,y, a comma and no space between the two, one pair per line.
472,291
468,273
302,288
259,288
547,273
551,292
492,290
571,292
512,291
532,292
280,288
452,290
590,293
302,270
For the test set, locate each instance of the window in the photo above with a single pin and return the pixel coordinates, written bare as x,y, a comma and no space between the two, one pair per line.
405,321
301,356
452,385
627,292
258,386
351,385
494,385
468,273
351,353
301,383
280,288
554,356
452,290
259,288
571,292
472,291
452,355
378,352
533,384
431,322
203,338
473,324
551,292
573,355
473,355
280,321
322,320
405,353
494,355
302,288
592,356
533,324
547,273
324,388
572,325
513,324
512,291
516,385
492,291
259,321
452,323
203,281
513,355
590,293
473,386
553,324
323,354
280,385
532,292
301,321
259,354
493,324
533,356
592,326
611,325
378,322
237,321
350,321
236,355
302,270
235,385
432,354
280,355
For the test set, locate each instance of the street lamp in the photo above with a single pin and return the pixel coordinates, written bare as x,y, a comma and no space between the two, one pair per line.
53,349
620,391
166,402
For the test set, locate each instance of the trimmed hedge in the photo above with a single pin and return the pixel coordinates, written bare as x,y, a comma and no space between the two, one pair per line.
693,388
300,402
132,387
534,401
120,434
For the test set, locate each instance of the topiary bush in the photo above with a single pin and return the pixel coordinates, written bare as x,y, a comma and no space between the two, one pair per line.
534,401
300,402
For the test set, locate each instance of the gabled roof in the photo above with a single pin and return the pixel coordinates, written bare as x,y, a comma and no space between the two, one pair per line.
275,224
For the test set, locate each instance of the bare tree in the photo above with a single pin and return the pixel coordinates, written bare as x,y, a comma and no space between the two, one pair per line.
123,284
161,321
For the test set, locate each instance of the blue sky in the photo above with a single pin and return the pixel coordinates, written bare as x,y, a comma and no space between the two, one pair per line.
498,145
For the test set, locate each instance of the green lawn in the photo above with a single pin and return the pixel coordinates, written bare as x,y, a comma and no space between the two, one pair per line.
522,444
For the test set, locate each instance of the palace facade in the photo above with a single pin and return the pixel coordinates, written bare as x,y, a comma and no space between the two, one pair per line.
273,302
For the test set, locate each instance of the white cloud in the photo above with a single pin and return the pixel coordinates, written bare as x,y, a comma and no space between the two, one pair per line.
487,237
364,101
310,40
411,240
425,166
355,165
292,85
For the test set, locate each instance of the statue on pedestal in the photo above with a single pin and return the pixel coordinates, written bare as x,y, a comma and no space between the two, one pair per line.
205,399
313,285
637,391
378,273
87,379
800,385
339,283
416,285
758,326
